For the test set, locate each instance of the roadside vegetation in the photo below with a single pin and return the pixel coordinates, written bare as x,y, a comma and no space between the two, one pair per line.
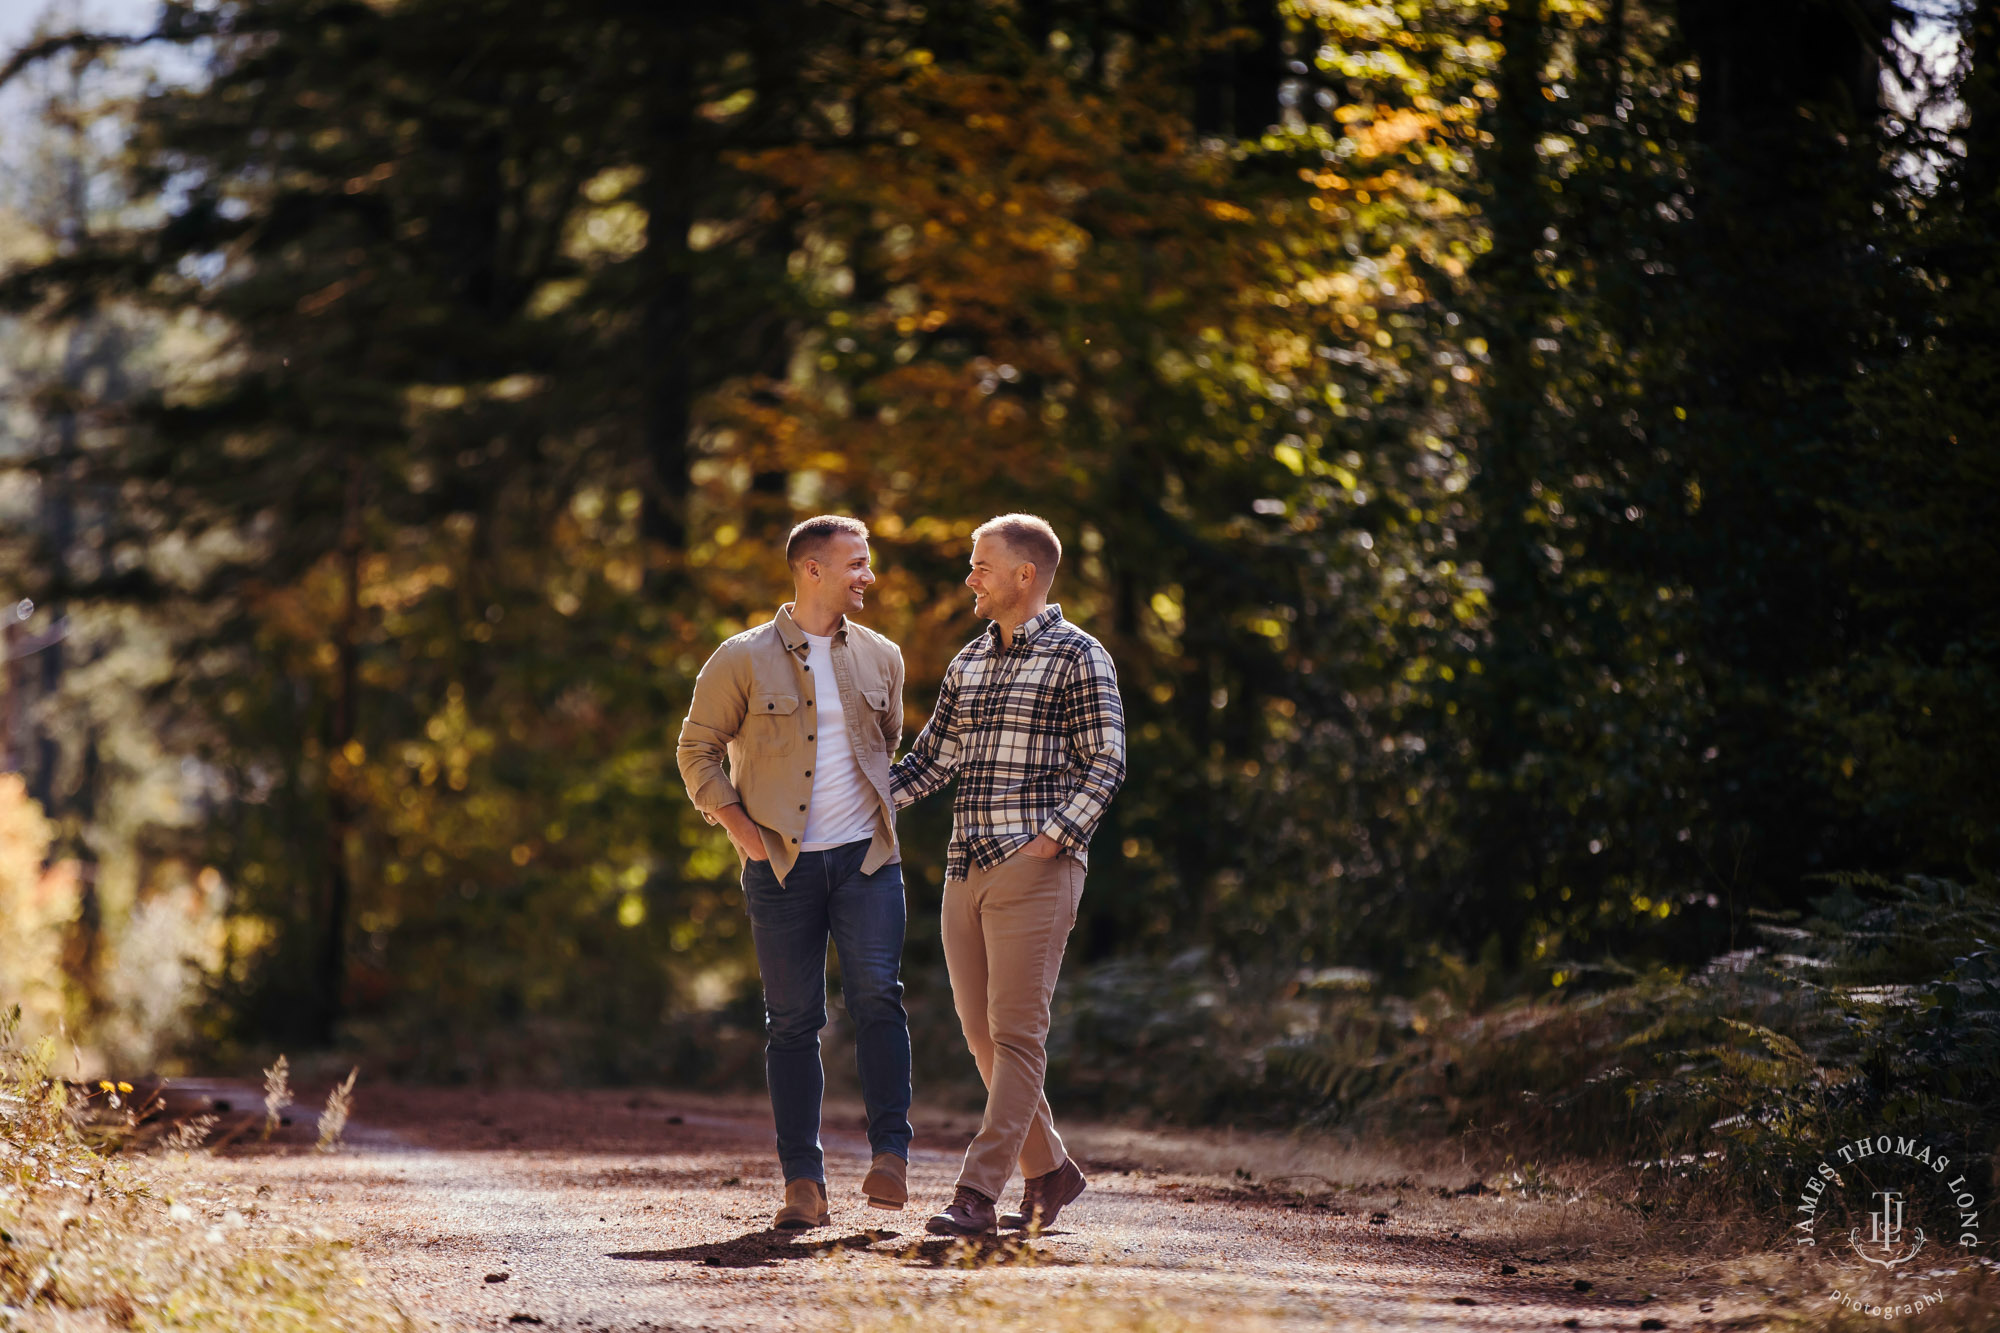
1529,459
93,1237
1878,1008
1882,1000
1530,488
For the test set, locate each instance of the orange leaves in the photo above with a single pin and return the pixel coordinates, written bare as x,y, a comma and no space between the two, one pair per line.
361,184
1005,412
317,302
930,323
1046,281
391,589
1393,129
39,904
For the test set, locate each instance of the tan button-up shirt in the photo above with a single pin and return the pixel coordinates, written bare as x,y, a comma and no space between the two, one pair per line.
755,704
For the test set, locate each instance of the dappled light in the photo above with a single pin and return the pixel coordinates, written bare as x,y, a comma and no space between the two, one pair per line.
1526,462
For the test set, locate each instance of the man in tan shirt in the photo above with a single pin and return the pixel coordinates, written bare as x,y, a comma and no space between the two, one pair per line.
806,710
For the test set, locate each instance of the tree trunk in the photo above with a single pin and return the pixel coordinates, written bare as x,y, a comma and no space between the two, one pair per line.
1785,169
341,813
1981,94
1236,90
1505,845
669,312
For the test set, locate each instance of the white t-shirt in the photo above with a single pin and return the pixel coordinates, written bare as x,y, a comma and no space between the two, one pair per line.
843,804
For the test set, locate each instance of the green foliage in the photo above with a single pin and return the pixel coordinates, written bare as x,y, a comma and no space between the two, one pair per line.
1879,1010
432,666
1048,296
1894,721
1527,483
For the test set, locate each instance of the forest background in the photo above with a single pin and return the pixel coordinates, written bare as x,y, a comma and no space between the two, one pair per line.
1526,457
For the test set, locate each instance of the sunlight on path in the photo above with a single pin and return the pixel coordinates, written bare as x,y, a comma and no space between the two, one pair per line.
649,1211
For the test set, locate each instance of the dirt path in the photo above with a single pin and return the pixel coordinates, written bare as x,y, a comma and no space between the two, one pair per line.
621,1211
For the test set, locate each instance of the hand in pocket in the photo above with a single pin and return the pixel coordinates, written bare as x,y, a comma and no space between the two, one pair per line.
742,831
1043,848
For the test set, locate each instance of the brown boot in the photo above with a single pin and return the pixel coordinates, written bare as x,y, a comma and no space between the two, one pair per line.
805,1206
887,1183
1043,1196
970,1214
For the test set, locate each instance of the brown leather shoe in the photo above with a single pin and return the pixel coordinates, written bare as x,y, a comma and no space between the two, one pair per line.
970,1214
805,1206
1043,1196
887,1183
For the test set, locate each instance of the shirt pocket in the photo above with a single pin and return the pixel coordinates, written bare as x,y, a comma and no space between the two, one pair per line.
878,705
772,727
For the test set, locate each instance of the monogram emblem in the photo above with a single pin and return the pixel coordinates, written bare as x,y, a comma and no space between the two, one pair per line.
1885,1234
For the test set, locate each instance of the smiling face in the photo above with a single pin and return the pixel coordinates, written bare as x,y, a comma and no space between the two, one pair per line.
837,579
1001,581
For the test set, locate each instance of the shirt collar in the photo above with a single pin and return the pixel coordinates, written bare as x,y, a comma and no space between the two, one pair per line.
1031,629
793,637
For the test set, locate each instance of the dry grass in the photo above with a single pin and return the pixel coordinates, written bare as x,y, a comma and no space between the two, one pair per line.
1531,1206
91,1242
1971,1305
1001,1292
1227,1153
1076,1310
1573,1218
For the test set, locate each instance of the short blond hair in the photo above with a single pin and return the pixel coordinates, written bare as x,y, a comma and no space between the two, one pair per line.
1028,536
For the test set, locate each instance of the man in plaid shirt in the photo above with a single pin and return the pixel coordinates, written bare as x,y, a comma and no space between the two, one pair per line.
1029,722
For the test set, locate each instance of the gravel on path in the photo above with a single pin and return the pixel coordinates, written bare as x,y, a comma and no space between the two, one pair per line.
649,1210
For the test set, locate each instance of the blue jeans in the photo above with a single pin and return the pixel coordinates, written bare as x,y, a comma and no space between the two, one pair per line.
827,897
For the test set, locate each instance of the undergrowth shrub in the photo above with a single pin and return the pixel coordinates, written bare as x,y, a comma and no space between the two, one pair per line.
1880,1009
88,1236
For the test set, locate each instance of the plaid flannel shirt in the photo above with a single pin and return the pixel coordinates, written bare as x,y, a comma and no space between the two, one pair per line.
1035,734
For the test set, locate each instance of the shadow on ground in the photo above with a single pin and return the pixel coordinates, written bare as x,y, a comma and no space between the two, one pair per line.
764,1248
769,1248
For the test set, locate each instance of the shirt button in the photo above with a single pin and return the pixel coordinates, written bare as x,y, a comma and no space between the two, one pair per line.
809,667
795,842
801,807
808,738
770,705
809,772
809,703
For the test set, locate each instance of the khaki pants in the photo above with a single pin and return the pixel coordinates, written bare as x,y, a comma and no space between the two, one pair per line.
1004,934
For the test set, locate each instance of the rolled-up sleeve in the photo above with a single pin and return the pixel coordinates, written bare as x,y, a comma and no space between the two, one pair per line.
934,757
715,717
1094,727
892,732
